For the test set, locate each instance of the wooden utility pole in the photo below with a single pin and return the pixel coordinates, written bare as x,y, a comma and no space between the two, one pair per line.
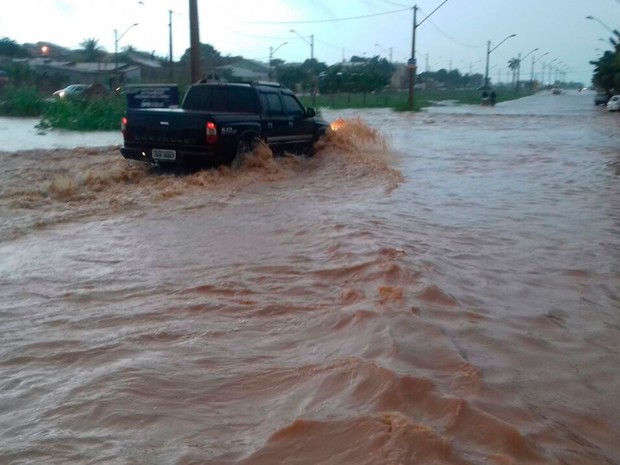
411,66
194,37
170,62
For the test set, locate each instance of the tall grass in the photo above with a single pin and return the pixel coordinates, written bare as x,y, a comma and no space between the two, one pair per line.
399,100
98,114
21,101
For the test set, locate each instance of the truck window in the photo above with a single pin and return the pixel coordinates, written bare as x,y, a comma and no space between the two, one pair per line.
292,106
198,98
241,100
218,99
275,105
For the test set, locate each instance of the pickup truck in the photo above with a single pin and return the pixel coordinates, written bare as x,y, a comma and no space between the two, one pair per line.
219,123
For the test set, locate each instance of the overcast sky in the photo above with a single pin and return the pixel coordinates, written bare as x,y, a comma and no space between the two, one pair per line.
455,36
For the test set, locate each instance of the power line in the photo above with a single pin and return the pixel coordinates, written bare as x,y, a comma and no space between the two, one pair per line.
333,20
456,41
448,36
260,36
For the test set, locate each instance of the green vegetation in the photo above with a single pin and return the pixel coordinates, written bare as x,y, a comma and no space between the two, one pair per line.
95,114
607,68
399,100
98,114
21,101
10,48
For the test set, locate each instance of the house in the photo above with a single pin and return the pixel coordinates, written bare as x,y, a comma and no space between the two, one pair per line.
105,72
245,70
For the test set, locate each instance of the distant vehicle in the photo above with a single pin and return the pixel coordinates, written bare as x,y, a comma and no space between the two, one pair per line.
601,98
614,103
74,90
219,123
556,91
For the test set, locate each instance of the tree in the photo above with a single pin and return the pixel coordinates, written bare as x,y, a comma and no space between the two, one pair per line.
210,58
607,72
292,76
10,48
91,50
359,75
606,75
514,64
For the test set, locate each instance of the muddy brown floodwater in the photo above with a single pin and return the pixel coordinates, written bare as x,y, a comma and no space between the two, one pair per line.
437,288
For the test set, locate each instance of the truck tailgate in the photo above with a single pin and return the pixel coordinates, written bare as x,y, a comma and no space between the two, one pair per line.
166,128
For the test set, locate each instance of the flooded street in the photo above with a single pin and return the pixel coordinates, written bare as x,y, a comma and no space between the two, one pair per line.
440,287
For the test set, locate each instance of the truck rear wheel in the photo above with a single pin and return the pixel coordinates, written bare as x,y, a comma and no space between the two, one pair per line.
244,148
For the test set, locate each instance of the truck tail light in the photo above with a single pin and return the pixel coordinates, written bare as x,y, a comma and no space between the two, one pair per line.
211,133
124,125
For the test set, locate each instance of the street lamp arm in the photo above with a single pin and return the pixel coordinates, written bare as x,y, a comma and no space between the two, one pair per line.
126,31
278,47
600,22
509,37
301,37
537,59
430,14
528,54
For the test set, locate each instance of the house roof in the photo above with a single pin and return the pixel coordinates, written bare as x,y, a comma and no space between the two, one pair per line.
88,67
248,65
144,61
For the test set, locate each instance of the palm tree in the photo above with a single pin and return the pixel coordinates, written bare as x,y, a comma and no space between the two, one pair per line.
91,51
514,64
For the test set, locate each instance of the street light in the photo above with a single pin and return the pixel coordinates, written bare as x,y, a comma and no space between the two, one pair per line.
534,61
601,23
271,52
549,66
116,39
311,42
519,65
384,50
529,53
314,79
411,65
489,51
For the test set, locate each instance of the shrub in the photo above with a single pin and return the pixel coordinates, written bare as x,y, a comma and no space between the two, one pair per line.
98,114
21,101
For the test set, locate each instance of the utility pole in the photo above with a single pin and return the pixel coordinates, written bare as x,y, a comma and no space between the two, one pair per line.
486,72
518,74
194,38
170,42
411,64
489,50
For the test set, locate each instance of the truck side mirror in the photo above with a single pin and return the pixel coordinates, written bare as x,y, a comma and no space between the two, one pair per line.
310,112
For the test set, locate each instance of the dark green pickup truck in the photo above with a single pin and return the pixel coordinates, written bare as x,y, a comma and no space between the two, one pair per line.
218,123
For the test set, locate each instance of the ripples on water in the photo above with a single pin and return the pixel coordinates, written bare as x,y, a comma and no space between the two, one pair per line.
442,291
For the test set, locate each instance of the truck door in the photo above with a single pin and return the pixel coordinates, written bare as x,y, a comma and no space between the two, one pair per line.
276,124
301,127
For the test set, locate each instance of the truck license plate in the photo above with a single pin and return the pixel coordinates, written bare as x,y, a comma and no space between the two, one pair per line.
164,154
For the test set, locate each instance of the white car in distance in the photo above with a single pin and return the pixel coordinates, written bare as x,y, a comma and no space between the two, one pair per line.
613,104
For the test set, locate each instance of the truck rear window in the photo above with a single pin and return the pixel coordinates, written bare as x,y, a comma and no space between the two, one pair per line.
220,99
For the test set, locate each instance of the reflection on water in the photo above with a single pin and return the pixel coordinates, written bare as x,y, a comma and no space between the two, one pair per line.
432,288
